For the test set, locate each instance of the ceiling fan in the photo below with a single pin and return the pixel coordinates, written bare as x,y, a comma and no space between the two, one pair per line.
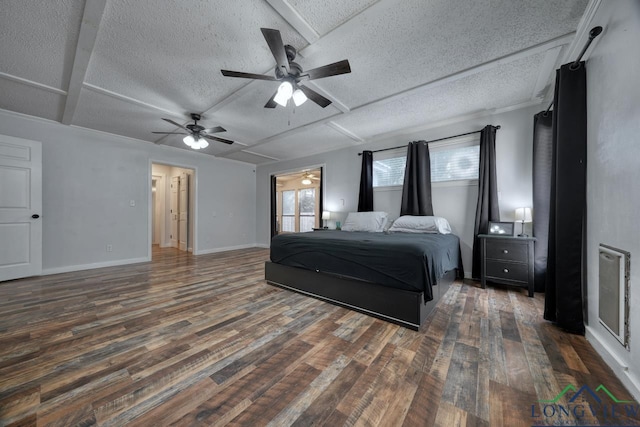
291,74
308,178
196,135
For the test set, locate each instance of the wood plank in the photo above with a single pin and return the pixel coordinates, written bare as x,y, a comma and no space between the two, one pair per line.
371,407
512,406
323,407
518,371
277,398
462,378
424,406
509,326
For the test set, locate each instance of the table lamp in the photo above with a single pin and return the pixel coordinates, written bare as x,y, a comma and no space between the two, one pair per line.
523,215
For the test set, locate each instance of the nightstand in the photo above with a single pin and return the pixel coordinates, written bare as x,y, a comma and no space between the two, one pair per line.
507,260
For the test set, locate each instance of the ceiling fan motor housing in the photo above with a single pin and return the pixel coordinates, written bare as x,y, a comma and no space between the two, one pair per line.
195,128
290,51
294,71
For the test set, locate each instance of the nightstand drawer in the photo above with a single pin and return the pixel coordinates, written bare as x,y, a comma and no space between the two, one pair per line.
507,250
507,270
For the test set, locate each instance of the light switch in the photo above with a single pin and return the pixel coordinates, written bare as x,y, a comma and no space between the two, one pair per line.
132,203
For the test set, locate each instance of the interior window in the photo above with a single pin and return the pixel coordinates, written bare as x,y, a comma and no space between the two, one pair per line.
307,208
289,211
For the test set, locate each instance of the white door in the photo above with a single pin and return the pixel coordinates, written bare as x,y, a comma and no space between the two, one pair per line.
183,212
20,208
173,200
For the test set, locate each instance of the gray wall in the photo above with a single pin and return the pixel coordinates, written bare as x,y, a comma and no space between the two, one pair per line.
456,203
90,177
613,172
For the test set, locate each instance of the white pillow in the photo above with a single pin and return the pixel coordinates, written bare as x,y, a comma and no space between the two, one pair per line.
421,224
365,221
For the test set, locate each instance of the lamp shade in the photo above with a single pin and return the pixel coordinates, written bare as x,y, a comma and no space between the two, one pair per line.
299,97
326,215
189,140
523,215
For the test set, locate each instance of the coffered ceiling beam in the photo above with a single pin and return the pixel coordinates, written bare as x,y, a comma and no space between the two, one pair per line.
31,83
93,11
295,20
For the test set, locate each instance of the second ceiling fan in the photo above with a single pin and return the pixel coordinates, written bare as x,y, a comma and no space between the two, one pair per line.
291,74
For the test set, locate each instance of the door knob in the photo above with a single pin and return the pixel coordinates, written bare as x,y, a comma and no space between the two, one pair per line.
35,216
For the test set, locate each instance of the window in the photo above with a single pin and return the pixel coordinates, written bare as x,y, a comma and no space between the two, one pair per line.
389,172
307,208
289,211
450,161
454,164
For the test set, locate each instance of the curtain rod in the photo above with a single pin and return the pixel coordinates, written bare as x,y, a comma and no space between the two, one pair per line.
433,140
595,32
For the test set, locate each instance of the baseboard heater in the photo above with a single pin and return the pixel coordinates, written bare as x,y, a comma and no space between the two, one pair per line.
613,291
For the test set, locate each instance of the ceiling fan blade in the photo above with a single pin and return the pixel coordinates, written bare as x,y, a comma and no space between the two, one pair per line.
215,138
242,75
271,103
171,133
176,124
337,68
216,129
274,40
315,96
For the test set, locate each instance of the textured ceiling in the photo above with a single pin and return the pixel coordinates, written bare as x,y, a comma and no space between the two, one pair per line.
119,66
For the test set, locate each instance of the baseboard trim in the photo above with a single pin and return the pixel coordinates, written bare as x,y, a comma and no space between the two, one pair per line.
619,367
226,248
262,245
79,267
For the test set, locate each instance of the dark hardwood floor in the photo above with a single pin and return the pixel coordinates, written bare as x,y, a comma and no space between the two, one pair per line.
203,340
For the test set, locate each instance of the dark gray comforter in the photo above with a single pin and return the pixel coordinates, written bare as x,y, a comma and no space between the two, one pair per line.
411,261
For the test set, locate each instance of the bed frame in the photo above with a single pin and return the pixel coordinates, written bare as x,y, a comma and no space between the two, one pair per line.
399,306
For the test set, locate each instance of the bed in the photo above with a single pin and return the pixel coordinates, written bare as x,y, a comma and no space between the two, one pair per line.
395,276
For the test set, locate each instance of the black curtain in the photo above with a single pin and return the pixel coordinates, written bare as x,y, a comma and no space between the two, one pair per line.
542,151
274,199
565,274
365,198
416,190
487,208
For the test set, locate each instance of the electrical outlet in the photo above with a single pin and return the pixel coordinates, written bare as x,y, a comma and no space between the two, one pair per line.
109,248
132,203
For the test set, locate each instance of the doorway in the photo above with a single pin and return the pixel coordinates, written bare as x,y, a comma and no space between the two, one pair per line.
173,207
296,201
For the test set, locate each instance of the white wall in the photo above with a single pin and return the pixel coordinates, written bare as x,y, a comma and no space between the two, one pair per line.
613,172
457,204
89,179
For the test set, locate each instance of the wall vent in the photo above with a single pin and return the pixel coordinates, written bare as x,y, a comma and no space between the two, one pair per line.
613,290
